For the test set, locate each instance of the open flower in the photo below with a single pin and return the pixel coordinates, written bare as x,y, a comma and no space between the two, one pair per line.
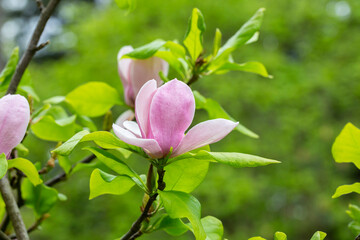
134,73
14,119
163,115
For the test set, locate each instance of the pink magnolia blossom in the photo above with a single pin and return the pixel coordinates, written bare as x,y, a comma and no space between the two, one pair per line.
163,115
14,119
134,73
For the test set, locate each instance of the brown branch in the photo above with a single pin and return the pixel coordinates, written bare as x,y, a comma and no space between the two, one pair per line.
62,176
33,44
3,236
34,226
135,230
12,209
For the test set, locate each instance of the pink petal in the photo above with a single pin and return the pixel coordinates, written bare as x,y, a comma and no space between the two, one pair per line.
133,127
150,146
125,116
171,113
124,72
142,71
142,107
203,134
14,119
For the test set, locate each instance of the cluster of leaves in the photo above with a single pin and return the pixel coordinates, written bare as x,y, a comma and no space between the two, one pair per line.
282,236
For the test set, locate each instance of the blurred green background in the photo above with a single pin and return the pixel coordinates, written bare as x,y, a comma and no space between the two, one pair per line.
312,50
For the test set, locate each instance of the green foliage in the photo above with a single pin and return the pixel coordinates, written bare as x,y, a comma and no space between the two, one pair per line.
346,189
41,197
172,226
346,147
282,236
147,50
3,165
183,205
93,99
354,213
213,228
253,67
105,183
8,71
318,236
238,160
27,168
194,35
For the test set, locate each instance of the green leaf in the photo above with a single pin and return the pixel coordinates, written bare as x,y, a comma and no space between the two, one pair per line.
147,50
102,138
184,205
47,128
244,34
8,71
64,163
194,35
104,183
238,160
346,189
27,168
318,236
172,226
185,175
217,41
55,100
22,150
280,236
67,147
257,238
354,226
3,165
41,198
87,122
252,67
213,228
346,147
93,99
117,165
29,91
354,212
129,5
216,111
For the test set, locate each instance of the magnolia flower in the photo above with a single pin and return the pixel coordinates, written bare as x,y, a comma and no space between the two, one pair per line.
14,119
134,73
163,115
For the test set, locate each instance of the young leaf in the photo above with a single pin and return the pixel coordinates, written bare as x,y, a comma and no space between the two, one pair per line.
67,147
354,212
280,236
41,198
257,238
147,50
55,100
104,183
213,228
216,111
252,67
183,205
27,168
64,163
346,189
217,41
93,99
185,175
7,73
318,236
244,34
47,128
238,160
346,147
194,35
172,226
3,165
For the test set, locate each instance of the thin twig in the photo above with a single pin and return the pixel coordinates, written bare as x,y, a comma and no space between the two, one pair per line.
3,236
62,176
34,226
33,44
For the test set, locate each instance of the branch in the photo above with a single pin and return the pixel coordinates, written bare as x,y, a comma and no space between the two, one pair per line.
34,226
12,209
135,230
33,44
62,176
3,236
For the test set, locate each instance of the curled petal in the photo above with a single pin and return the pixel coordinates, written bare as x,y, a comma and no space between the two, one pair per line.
171,113
150,146
203,134
132,127
142,106
142,71
124,72
125,116
14,119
